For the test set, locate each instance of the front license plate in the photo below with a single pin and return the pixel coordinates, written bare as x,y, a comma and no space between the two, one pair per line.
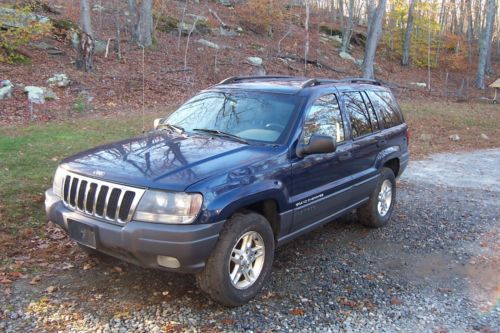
82,233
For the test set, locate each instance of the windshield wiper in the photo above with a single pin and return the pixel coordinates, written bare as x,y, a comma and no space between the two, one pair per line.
175,128
221,133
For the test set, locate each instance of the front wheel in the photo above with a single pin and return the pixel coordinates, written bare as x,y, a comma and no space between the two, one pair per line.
241,261
377,212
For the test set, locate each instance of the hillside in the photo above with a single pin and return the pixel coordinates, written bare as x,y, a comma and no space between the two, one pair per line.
213,53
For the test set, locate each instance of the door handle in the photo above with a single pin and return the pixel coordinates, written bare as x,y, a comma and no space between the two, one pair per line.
345,156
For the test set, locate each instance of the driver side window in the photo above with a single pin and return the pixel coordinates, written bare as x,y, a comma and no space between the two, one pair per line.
324,117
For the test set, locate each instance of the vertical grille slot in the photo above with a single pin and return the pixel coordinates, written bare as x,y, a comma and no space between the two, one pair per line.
72,193
67,181
127,201
81,194
101,201
108,201
113,203
89,204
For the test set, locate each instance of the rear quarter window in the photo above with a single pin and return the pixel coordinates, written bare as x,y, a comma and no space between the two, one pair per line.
386,106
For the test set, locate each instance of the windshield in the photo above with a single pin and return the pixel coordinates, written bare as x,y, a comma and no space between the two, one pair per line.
255,116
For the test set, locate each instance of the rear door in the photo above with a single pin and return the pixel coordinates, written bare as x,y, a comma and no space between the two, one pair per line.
366,141
391,118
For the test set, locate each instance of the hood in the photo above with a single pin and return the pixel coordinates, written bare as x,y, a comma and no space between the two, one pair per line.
164,160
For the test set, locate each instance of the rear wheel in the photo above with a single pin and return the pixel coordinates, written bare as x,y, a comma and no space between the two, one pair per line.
241,261
377,212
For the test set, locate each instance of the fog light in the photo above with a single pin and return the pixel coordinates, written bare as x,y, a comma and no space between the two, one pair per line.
169,262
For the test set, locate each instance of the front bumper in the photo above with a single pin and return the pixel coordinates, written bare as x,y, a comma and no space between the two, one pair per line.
141,243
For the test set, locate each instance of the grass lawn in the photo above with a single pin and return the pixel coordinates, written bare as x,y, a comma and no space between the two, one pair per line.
29,154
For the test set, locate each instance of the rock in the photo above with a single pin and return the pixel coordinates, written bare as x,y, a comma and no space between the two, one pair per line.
35,94
59,80
49,94
98,8
254,61
12,18
454,137
6,88
99,46
419,84
483,136
226,3
167,23
207,43
346,56
426,137
201,27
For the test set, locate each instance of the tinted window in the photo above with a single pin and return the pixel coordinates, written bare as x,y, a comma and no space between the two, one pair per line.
251,115
358,114
386,107
324,118
371,112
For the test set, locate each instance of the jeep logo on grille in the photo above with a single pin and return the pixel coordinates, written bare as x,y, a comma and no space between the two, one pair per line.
98,173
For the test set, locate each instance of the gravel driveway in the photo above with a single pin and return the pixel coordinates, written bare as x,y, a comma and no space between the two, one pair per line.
435,268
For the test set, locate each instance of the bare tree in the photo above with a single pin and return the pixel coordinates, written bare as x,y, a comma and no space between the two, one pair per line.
85,47
470,31
306,42
132,9
372,40
85,20
405,61
348,26
484,42
145,24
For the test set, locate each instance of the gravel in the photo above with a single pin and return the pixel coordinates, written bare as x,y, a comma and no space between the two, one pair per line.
435,268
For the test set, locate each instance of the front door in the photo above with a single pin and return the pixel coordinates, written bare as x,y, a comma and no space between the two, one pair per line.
320,181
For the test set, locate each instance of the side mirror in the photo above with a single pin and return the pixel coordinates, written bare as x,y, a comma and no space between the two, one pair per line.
318,144
157,122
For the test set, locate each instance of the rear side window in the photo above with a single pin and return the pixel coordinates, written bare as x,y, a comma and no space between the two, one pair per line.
358,114
387,108
324,117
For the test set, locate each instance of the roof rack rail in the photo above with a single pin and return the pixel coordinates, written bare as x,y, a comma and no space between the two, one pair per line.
234,79
360,80
316,82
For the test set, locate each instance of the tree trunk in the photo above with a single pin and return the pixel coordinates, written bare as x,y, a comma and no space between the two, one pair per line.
306,42
85,47
348,28
145,24
372,40
132,9
470,31
409,27
490,9
477,19
85,20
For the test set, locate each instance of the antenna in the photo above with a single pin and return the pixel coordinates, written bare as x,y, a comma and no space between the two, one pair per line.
143,90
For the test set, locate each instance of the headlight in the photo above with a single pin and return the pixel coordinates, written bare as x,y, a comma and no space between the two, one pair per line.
168,207
57,185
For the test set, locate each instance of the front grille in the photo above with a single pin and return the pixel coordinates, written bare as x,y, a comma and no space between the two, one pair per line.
104,200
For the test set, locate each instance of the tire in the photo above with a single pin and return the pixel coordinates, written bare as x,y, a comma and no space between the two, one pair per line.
371,215
215,280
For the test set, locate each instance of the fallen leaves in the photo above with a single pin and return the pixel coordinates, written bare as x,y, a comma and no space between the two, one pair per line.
297,312
396,301
35,280
51,289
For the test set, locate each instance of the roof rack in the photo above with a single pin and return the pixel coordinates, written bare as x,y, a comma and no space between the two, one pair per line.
234,79
360,80
317,82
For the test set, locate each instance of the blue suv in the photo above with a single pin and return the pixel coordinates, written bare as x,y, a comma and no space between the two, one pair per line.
241,168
